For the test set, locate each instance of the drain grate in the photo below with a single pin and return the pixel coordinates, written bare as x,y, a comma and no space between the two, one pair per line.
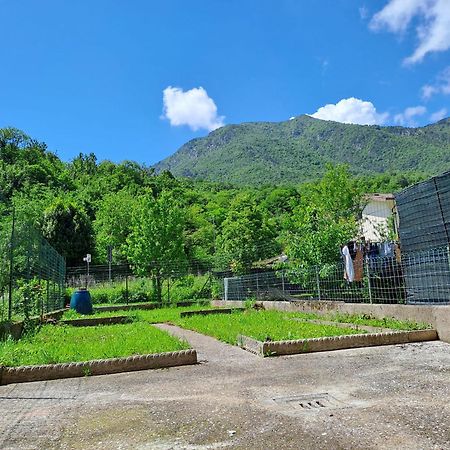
309,402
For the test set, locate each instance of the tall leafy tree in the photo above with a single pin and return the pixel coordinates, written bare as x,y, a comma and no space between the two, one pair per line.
247,235
69,230
326,217
113,225
156,242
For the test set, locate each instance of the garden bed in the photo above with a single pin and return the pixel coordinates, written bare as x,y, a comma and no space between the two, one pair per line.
276,326
205,312
61,344
260,325
23,374
290,347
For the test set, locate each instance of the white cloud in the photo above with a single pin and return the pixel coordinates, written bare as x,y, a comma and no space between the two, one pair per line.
351,110
438,115
407,117
433,27
440,86
193,108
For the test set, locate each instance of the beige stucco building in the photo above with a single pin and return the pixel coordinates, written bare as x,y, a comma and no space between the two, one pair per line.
377,213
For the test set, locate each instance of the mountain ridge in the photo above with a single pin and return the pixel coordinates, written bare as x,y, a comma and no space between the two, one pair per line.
298,150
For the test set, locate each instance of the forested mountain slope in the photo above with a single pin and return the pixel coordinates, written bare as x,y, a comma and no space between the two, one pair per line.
298,149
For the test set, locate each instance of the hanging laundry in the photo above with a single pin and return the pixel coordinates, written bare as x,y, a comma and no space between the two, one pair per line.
358,264
398,253
349,273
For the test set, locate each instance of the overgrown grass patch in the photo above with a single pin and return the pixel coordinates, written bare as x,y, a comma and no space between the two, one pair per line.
162,315
260,325
73,315
387,322
59,344
157,315
362,319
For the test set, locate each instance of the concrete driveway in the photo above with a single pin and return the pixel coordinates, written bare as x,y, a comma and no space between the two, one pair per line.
372,398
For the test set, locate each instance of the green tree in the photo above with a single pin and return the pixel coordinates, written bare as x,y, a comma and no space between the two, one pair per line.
69,230
326,218
156,243
246,236
113,225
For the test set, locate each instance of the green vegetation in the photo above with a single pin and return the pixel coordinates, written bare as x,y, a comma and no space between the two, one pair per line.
71,314
387,322
261,325
157,315
54,344
164,227
185,288
297,150
167,228
58,344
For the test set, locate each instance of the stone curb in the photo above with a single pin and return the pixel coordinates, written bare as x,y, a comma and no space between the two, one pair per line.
334,343
91,322
133,306
24,374
205,312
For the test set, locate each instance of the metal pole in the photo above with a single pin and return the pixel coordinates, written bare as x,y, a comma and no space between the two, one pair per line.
318,284
257,286
126,287
168,290
109,262
11,264
368,280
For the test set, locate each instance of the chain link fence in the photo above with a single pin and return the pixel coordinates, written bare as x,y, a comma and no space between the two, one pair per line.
118,283
421,278
32,273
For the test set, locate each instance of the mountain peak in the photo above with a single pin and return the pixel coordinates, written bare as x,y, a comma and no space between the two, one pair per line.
299,149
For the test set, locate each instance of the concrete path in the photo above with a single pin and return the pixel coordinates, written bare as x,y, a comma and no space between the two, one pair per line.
373,398
209,349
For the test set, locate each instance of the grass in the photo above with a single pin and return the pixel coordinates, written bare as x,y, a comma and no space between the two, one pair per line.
73,315
363,319
260,325
162,315
387,322
159,315
59,344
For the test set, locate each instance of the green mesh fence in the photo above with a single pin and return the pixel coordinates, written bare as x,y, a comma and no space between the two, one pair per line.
32,273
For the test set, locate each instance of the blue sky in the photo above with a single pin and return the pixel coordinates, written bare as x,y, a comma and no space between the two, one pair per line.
137,79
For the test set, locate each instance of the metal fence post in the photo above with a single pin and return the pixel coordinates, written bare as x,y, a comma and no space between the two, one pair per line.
368,280
257,286
126,287
11,265
318,284
282,280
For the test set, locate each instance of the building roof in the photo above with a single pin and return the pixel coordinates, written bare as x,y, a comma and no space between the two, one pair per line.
379,197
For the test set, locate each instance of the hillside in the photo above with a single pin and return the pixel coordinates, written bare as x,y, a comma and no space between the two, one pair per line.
298,150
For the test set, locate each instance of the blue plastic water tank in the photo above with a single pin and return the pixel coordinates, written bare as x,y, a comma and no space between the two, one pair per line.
81,302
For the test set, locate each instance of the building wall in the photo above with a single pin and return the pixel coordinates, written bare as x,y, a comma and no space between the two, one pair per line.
374,220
